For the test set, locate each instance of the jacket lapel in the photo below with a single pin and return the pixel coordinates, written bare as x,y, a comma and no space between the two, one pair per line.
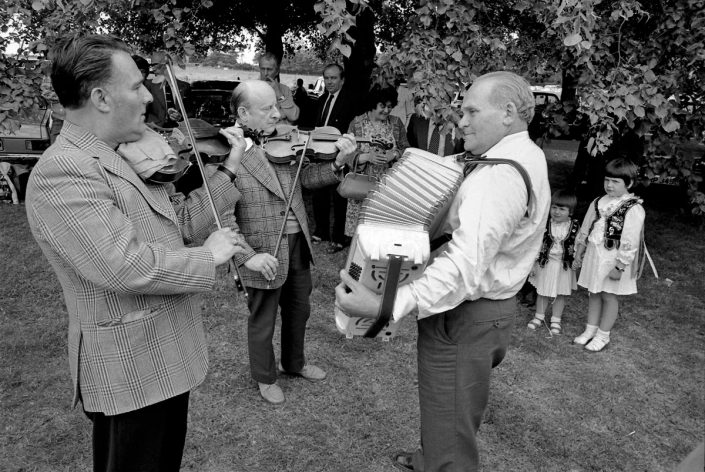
116,165
254,162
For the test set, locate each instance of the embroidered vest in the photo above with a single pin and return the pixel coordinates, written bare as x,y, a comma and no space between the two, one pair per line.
568,244
614,222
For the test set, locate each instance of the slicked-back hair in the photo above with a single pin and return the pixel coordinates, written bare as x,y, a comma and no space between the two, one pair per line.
81,63
510,87
564,198
621,168
335,65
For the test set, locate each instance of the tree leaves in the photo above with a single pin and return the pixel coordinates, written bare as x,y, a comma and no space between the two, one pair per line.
572,40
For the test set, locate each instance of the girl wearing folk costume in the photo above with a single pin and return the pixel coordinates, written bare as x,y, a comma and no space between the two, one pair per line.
553,274
610,239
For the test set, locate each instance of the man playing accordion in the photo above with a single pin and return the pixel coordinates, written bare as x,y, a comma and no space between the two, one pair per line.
465,299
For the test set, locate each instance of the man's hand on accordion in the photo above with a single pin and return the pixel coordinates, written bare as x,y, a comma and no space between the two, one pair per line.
354,299
264,263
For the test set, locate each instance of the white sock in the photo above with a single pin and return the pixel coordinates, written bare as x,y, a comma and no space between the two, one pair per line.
540,316
590,329
605,335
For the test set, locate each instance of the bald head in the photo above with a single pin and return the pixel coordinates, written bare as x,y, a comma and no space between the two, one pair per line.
254,104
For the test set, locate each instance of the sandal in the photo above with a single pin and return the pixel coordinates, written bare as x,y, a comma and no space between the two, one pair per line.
583,338
402,461
555,327
597,344
535,323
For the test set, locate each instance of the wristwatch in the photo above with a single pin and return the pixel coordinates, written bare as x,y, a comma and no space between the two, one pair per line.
227,172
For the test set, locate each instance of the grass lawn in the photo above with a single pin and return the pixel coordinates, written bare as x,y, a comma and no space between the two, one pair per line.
637,406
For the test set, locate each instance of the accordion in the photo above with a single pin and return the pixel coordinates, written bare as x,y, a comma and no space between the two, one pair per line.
397,221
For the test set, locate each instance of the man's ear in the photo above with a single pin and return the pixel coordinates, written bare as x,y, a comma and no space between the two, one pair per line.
100,99
242,114
510,113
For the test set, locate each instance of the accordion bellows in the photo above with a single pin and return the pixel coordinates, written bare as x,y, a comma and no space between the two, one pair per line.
399,217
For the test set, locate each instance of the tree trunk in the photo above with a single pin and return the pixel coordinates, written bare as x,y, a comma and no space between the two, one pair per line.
273,36
358,67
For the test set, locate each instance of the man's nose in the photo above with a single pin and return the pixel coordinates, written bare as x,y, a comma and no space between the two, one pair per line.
148,96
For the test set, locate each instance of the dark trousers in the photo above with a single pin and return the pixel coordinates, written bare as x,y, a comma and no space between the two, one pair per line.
456,353
293,297
321,199
150,439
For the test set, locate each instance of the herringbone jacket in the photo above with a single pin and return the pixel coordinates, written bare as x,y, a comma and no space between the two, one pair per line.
260,209
118,248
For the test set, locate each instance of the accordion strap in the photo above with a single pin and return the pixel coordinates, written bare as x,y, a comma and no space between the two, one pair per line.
515,164
389,295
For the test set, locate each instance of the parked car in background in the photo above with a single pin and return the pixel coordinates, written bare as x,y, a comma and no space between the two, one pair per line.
33,137
20,149
209,100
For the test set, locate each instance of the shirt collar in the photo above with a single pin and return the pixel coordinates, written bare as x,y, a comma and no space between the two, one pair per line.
507,145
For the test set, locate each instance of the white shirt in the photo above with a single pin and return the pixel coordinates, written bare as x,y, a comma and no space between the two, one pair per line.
494,244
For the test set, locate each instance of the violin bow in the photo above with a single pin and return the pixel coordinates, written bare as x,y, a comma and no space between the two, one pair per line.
289,201
177,96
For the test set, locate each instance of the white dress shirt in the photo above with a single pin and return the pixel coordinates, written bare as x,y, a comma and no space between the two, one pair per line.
494,243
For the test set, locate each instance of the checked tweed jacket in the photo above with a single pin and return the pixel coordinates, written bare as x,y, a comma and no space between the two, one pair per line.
260,209
117,246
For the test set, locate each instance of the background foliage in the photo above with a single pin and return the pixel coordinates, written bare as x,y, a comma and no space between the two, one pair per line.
626,65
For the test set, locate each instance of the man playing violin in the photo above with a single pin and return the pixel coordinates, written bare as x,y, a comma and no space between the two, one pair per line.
269,72
261,212
117,242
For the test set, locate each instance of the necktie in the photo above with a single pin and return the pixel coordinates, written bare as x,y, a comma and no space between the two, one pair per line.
434,144
324,115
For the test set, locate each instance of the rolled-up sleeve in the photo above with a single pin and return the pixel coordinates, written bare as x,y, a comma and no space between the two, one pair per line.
489,205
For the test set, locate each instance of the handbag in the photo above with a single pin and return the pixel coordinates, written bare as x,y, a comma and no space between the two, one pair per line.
354,185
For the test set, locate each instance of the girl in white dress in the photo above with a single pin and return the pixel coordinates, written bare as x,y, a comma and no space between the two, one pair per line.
553,274
607,246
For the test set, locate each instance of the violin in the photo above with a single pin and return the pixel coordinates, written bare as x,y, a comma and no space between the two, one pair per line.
286,144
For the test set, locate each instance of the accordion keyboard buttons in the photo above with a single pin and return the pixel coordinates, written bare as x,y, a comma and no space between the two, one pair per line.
355,271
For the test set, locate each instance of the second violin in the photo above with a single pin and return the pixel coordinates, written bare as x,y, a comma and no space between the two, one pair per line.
287,144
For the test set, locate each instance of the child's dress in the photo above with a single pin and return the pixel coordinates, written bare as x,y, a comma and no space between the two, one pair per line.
553,279
604,251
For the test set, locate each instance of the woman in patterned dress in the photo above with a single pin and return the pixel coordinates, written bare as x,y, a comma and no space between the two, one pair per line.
377,124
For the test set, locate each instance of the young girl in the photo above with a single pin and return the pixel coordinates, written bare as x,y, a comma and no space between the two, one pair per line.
553,274
612,233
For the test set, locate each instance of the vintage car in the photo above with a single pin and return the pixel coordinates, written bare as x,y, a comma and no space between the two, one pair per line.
209,100
26,144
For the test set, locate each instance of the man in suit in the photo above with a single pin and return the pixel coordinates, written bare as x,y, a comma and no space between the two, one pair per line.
422,133
118,246
336,108
276,276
